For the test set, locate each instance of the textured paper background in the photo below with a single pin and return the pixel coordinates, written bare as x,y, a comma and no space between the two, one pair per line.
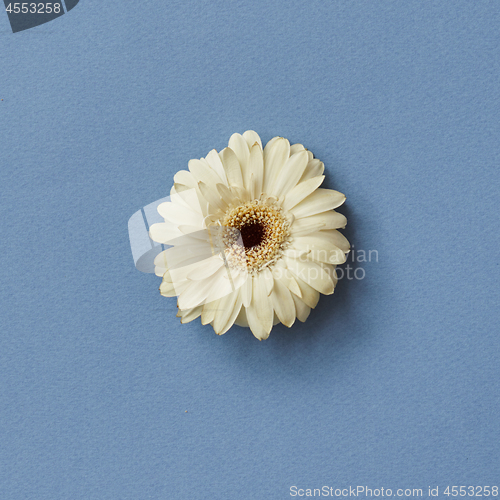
393,382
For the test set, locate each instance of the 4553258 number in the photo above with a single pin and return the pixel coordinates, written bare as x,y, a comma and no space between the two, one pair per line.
471,491
33,8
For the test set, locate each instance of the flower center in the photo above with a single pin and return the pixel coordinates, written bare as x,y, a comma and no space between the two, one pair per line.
256,235
252,234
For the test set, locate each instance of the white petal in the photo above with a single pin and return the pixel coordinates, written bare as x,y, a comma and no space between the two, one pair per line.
290,173
330,269
281,272
282,303
320,249
297,148
187,197
220,284
178,188
311,273
267,277
194,294
203,173
185,178
180,215
192,241
167,289
241,193
301,191
226,306
182,256
319,201
215,162
302,310
256,167
190,198
209,311
232,167
205,268
246,292
193,232
241,319
226,194
276,153
252,138
163,232
294,287
211,194
309,295
160,271
235,312
260,313
333,236
240,147
188,315
313,169
314,223
199,292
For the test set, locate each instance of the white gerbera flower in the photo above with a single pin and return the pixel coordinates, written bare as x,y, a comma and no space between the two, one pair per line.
253,238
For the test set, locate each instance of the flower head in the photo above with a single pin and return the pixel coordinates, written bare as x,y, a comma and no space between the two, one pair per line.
253,237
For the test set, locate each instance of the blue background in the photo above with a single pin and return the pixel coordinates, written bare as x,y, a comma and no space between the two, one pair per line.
393,381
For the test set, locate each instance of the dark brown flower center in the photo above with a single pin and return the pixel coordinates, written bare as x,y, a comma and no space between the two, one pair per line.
252,234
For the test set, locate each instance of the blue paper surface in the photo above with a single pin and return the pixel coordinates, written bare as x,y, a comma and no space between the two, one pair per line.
393,381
